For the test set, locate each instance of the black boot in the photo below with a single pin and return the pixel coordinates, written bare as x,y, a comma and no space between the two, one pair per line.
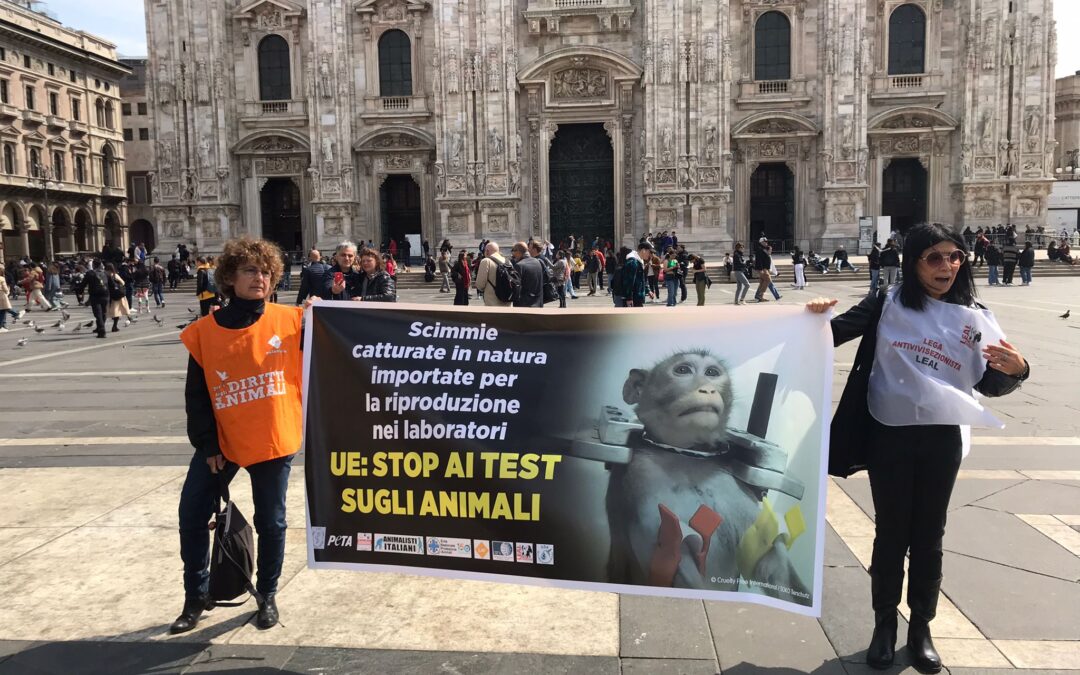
194,605
885,592
922,600
267,616
882,649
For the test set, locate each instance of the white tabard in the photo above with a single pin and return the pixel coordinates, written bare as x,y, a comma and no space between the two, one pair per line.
927,363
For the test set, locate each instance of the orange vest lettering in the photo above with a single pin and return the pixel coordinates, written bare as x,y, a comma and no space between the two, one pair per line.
253,376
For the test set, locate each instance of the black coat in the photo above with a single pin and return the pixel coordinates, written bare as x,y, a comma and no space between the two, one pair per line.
311,281
352,279
532,282
377,288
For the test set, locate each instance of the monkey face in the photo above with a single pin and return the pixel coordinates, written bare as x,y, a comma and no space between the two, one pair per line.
685,400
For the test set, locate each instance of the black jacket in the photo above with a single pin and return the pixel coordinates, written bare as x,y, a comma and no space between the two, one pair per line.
95,284
352,280
311,281
738,262
378,288
532,282
855,323
890,257
1027,257
874,258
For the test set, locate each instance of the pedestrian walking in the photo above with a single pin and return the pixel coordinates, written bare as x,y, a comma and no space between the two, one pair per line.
762,265
52,286
141,283
157,283
444,269
631,283
1027,263
993,262
118,305
890,263
205,286
701,279
738,269
259,433
462,276
561,276
909,429
34,283
5,301
670,273
873,259
798,259
95,283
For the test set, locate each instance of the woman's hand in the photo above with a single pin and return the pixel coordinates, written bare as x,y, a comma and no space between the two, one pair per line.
1005,359
216,463
821,305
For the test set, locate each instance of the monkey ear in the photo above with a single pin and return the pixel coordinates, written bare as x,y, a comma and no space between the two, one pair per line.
631,389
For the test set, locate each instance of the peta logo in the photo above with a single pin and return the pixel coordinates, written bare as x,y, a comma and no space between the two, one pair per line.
339,541
223,375
275,342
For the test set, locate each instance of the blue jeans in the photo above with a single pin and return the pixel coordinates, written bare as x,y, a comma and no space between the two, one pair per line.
875,279
610,280
992,276
159,293
618,300
570,288
4,314
772,289
1025,275
198,502
742,286
672,286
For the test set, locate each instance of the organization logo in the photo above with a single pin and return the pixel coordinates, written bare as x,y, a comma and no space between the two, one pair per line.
222,374
339,541
502,550
274,342
363,541
399,543
481,549
970,337
448,547
318,537
524,553
545,554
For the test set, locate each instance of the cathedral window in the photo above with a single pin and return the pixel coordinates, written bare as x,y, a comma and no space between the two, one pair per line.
275,81
395,64
907,41
772,47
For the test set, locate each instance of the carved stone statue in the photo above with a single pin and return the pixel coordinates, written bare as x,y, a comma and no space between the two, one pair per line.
986,131
1034,55
440,179
495,144
1033,120
453,149
710,142
204,153
328,153
223,182
515,177
164,84
326,83
690,173
165,156
155,189
860,174
667,144
826,165
452,69
202,81
665,62
580,83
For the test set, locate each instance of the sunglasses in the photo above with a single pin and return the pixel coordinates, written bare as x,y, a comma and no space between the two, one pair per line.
935,258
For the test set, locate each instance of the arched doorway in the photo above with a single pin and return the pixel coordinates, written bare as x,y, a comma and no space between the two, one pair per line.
399,208
60,231
582,183
112,230
280,204
772,205
82,231
903,193
142,232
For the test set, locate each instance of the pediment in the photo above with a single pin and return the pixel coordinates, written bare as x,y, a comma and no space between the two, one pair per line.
34,137
912,118
80,147
579,66
390,10
270,14
279,142
396,139
774,124
58,140
10,132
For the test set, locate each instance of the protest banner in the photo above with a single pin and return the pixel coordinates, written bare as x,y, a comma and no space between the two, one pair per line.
675,452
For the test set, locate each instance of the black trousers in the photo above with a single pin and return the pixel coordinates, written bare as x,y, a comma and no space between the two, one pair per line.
99,306
912,473
461,295
1007,277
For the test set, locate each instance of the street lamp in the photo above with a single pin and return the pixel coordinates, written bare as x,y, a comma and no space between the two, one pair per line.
43,178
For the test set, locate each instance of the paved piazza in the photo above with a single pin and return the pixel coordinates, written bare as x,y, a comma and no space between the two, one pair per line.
93,453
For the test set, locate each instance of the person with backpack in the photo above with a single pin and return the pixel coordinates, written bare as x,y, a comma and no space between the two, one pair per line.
495,271
531,273
95,284
157,282
260,432
118,305
205,286
631,282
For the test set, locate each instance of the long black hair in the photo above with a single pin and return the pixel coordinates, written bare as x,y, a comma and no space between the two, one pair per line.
917,240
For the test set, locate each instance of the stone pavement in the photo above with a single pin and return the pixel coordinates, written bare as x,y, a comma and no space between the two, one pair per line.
93,453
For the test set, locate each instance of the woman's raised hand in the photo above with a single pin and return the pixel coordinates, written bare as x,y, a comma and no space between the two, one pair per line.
821,305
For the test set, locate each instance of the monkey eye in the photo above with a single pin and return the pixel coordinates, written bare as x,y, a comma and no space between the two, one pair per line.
683,369
712,371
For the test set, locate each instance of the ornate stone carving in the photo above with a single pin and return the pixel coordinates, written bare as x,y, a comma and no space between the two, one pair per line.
398,162
269,18
454,149
711,65
452,69
204,153
772,126
494,71
989,48
1033,125
909,121
164,83
165,156
495,146
580,83
202,82
709,151
274,144
326,78
223,182
666,64
498,223
328,154
667,145
1034,52
514,178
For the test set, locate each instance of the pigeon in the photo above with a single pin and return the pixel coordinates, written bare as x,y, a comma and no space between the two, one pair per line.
78,327
191,310
39,330
1066,314
64,315
88,324
133,318
61,326
127,322
21,342
158,320
58,324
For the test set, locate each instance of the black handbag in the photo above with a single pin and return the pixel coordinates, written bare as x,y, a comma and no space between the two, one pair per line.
850,431
232,560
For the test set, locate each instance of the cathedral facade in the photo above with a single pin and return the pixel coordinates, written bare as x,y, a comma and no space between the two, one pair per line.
309,122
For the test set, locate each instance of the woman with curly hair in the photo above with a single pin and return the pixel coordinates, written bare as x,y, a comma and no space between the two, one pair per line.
243,404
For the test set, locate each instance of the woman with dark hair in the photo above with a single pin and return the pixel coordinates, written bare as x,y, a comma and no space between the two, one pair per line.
118,304
738,268
462,276
926,347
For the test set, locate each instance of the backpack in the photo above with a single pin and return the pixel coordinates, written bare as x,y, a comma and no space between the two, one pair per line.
507,283
551,293
232,559
211,285
157,275
116,292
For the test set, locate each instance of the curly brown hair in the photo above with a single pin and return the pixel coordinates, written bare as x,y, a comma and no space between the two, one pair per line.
380,264
242,251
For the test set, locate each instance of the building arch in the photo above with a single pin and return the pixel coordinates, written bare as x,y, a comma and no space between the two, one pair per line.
275,68
395,63
276,141
396,137
907,40
913,117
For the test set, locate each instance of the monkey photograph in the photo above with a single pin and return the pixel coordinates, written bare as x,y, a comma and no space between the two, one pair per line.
714,466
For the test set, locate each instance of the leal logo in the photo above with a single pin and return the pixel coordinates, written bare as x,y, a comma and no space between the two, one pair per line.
275,342
318,538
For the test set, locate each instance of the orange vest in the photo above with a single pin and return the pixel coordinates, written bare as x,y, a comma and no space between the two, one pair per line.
253,375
